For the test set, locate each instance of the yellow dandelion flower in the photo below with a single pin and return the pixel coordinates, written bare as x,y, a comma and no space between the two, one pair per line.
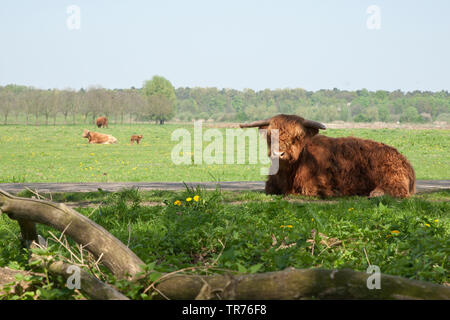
177,203
196,198
427,225
350,209
189,199
289,226
436,220
395,232
282,226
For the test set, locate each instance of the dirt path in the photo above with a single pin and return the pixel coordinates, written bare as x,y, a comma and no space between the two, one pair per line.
422,186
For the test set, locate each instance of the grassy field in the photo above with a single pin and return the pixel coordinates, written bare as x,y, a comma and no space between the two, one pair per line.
244,232
60,154
251,232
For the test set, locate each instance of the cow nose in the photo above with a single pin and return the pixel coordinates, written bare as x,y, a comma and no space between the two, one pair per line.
278,154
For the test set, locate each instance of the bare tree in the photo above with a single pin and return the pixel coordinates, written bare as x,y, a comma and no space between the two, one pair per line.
26,98
69,103
134,104
96,102
65,107
7,100
44,104
55,101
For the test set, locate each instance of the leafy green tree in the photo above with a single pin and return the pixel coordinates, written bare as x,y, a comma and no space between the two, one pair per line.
372,114
159,108
161,97
410,115
383,113
361,118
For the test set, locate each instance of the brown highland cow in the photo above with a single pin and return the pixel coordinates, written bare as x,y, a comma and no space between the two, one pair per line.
102,122
315,165
136,138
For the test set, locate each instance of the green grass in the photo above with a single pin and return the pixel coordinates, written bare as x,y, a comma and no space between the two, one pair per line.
409,237
60,154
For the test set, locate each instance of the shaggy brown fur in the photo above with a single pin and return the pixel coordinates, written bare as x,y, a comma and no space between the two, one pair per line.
315,165
100,138
102,122
136,138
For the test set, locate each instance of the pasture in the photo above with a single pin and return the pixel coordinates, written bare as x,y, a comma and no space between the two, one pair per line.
245,232
60,154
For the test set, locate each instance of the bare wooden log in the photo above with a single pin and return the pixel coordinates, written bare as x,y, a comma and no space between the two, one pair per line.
120,260
293,284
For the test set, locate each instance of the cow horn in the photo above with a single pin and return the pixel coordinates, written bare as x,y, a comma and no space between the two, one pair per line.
314,124
259,123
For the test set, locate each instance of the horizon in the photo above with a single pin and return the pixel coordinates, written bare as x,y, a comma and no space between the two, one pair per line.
257,45
220,89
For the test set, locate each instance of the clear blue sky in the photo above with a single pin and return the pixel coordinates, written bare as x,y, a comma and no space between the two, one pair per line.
237,44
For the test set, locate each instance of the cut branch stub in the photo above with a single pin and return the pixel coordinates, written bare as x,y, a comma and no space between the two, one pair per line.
120,260
28,231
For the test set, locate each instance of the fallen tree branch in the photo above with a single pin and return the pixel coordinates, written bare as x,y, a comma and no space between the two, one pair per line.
120,260
89,284
293,284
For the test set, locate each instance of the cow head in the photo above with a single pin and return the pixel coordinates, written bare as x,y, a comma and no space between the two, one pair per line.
293,133
86,133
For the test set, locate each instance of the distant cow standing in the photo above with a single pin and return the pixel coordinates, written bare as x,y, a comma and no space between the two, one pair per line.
136,138
102,122
99,138
315,165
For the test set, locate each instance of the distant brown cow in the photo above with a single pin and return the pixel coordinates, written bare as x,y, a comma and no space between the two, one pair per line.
102,122
315,165
136,138
100,138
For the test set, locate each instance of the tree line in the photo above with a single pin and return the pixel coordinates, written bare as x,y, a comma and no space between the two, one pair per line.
322,105
155,101
159,101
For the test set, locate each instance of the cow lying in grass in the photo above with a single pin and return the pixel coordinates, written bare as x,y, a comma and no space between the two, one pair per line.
136,138
100,138
315,165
